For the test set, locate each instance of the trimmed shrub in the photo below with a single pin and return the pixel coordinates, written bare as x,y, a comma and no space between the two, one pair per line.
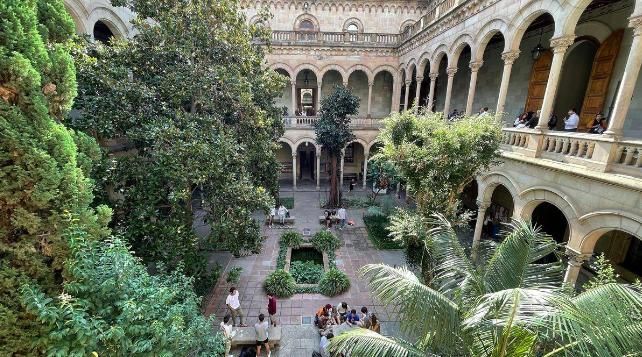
334,282
378,233
280,283
291,239
374,211
325,241
306,272
234,275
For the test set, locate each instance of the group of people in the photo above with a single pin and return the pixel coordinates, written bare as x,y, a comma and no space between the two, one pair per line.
260,327
278,211
456,114
341,214
333,320
571,121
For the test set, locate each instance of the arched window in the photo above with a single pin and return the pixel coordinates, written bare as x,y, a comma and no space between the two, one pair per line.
352,27
306,25
102,32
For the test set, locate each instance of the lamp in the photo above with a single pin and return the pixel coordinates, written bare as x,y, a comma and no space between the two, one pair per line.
536,53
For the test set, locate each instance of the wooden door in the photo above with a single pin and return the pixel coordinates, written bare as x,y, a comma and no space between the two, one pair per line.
601,72
537,83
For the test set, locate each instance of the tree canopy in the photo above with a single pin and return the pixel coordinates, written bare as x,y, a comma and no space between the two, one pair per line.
192,103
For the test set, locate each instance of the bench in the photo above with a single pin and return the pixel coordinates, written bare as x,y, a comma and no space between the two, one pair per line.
333,219
277,220
247,336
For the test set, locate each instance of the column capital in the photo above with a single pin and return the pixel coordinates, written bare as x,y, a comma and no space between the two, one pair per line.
475,65
451,71
345,83
562,43
370,83
433,76
407,83
509,57
636,23
420,78
318,155
483,205
294,155
575,258
293,83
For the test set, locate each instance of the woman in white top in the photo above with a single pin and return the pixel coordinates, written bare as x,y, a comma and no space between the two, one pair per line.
282,212
271,216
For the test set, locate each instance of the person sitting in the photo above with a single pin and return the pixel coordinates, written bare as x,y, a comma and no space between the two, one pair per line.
531,120
282,211
599,124
328,219
520,121
342,310
352,318
374,324
364,318
325,324
322,311
323,345
552,122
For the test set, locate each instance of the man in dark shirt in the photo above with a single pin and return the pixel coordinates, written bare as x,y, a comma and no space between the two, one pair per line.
272,309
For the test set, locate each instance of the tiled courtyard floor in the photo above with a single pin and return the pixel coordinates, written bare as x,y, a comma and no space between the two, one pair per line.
356,251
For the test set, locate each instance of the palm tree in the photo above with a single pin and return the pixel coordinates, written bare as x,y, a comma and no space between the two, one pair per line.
512,305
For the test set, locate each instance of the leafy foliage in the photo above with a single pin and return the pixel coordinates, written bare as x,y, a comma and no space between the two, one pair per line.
325,241
112,306
604,273
280,283
333,130
383,173
292,239
191,101
376,225
306,272
508,305
334,282
234,275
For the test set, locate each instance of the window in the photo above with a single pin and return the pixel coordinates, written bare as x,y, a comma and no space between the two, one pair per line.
306,25
352,27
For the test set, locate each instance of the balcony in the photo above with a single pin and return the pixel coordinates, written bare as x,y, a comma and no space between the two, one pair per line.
336,38
307,122
587,151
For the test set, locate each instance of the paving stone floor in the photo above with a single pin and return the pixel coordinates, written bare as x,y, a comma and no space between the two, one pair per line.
356,251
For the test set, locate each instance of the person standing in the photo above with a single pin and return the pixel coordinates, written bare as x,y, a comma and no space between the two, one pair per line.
228,334
271,217
282,211
572,121
234,305
352,183
342,215
272,309
552,122
261,330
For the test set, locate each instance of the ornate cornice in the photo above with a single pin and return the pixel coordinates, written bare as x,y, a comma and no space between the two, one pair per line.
332,51
369,6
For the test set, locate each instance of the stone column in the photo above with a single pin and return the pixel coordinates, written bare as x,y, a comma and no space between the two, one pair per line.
508,58
431,94
294,170
345,84
294,101
405,101
318,103
318,155
396,96
370,84
449,88
559,46
479,225
575,261
629,79
343,152
474,68
365,169
418,91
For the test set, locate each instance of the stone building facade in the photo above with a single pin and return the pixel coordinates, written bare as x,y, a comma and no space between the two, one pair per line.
545,56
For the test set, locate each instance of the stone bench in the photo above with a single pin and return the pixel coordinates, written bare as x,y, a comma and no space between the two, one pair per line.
333,219
277,220
247,336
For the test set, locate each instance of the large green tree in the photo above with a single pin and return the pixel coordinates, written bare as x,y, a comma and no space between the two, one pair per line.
191,99
333,131
505,305
42,174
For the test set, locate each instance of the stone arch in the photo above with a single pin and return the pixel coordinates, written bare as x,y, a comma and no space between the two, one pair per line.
353,20
486,33
79,14
405,24
488,183
424,60
304,17
598,30
309,66
335,67
439,53
393,71
283,66
309,140
527,15
360,141
571,18
360,67
372,144
287,141
117,26
458,46
533,196
601,222
410,68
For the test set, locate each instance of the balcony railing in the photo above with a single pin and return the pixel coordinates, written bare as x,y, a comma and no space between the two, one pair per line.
339,38
592,151
307,122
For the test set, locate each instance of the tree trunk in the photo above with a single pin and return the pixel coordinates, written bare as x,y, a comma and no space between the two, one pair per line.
333,200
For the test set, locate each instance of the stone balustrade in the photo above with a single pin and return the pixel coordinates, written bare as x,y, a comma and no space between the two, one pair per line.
339,38
307,122
595,152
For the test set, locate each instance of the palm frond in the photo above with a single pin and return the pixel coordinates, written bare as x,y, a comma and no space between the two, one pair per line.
513,264
365,343
425,312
